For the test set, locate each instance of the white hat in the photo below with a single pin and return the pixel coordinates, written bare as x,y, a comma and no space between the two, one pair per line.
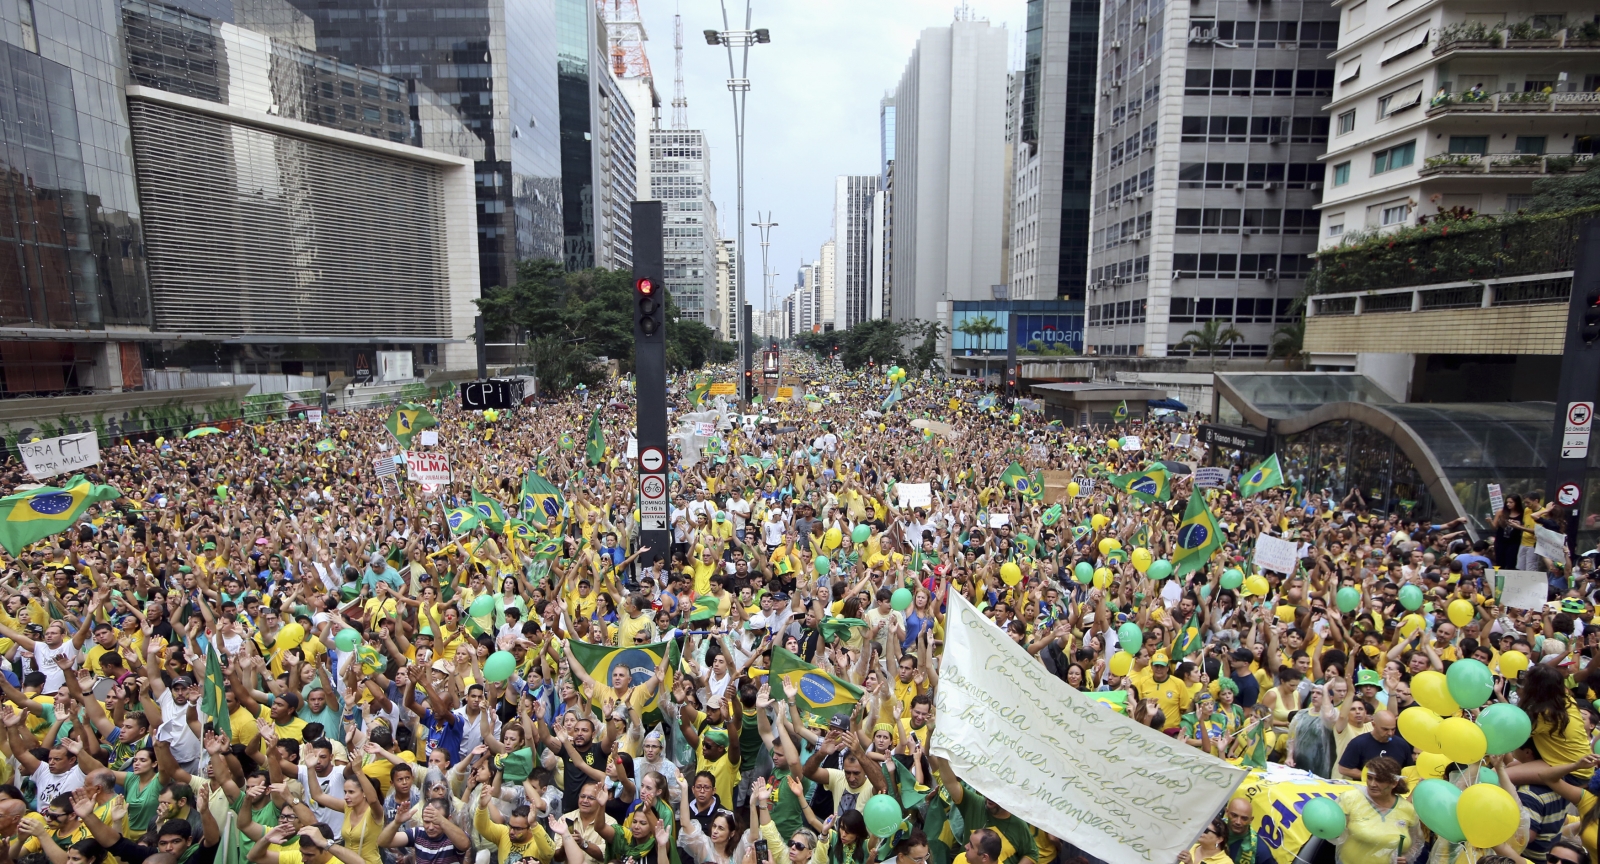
757,621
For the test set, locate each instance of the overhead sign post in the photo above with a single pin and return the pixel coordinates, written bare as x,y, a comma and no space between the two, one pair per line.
650,367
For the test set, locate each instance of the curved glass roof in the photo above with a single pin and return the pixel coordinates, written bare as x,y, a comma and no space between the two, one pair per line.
1281,395
1497,436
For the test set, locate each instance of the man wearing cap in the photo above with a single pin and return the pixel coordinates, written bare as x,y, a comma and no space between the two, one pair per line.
1171,695
712,753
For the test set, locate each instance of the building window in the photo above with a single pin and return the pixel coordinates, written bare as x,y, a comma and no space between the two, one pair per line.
1475,145
1394,214
1347,122
1408,96
1533,144
1394,157
1336,229
1341,174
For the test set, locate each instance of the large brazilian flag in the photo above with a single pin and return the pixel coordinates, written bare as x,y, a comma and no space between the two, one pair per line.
640,661
33,515
821,694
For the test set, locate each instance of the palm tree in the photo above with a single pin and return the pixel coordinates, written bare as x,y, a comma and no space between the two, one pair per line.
982,327
1213,336
1289,341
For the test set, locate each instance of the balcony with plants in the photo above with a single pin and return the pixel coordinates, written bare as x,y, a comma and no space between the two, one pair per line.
1446,164
1532,34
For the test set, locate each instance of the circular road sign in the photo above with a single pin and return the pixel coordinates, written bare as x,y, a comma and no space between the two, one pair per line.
650,459
1568,494
653,488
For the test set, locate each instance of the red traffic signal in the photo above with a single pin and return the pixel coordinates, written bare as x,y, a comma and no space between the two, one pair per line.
645,286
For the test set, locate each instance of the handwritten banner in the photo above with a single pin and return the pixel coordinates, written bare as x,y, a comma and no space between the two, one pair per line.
429,469
1062,761
1210,477
60,455
1276,554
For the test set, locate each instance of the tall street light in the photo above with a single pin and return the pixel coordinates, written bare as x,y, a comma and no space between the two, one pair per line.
739,85
765,226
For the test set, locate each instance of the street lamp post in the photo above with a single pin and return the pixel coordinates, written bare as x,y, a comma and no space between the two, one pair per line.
765,226
739,85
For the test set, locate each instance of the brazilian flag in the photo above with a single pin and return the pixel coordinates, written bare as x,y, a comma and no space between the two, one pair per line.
594,449
214,696
325,445
30,516
1035,487
566,441
821,694
1149,485
698,394
462,519
1016,479
521,530
541,502
407,420
542,556
1266,475
1117,699
1199,535
1121,412
489,510
893,397
600,661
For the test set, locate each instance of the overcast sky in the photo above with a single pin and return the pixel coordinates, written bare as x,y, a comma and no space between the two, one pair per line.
813,105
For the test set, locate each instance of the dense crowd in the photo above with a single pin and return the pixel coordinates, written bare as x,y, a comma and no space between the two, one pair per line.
267,651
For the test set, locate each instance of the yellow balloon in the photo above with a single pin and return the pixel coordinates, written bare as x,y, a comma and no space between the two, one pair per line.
1073,489
1141,559
1430,766
1010,573
1102,578
1461,740
1488,815
1256,586
832,539
1419,727
1112,443
1460,612
1286,615
290,636
1411,624
1512,664
1120,663
1431,692
1098,521
1107,544
344,433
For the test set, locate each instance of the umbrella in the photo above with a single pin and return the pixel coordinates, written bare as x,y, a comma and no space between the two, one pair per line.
203,431
871,413
1169,404
1175,467
935,427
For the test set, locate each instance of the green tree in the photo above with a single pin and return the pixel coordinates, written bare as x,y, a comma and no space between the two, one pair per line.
1213,336
1288,341
1565,192
926,354
981,327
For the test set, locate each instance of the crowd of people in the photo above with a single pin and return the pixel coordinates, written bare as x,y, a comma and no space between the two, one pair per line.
265,650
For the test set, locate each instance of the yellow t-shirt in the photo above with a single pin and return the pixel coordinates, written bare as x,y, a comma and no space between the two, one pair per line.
722,769
243,727
537,845
1565,748
1172,695
295,728
702,573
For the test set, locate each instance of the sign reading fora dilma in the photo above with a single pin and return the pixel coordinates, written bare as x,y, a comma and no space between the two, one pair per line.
498,393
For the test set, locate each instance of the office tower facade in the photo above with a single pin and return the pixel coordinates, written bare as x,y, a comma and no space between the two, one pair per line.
827,285
681,179
853,245
1052,137
1453,107
486,65
599,176
949,169
1205,191
727,287
883,264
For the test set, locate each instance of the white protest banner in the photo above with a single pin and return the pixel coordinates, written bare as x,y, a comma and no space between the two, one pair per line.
705,429
999,520
914,494
1550,544
314,415
1183,441
1524,589
429,469
1279,556
1060,760
60,455
1497,499
633,448
1130,443
430,437
1210,477
383,466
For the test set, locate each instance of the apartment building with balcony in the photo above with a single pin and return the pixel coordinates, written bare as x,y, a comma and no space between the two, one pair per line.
1455,104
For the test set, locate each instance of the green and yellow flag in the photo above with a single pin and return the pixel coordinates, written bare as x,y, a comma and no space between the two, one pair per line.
1016,479
214,695
489,510
600,661
462,519
541,502
821,694
1151,484
1121,412
1199,535
594,449
698,394
407,420
1266,475
30,516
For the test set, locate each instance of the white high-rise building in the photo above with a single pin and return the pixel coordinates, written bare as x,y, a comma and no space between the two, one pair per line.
949,169
727,276
680,177
827,260
853,243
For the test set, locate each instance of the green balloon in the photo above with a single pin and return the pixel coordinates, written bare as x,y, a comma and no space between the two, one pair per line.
1348,599
1505,726
860,533
1232,579
1487,775
882,815
1083,571
1160,569
900,601
1323,818
1435,803
1130,638
483,604
499,666
1411,597
347,640
1470,682
822,564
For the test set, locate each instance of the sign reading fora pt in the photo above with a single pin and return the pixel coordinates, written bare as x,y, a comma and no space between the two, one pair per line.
60,455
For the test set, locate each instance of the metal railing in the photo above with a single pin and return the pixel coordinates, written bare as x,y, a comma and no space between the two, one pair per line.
1505,163
1475,102
1490,294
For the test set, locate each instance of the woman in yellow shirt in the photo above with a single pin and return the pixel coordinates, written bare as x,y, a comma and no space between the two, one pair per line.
1558,732
1209,849
363,819
1380,826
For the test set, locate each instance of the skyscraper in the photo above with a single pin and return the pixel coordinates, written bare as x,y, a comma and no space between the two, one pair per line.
853,245
827,291
727,287
1053,150
1204,201
883,263
681,178
598,173
949,169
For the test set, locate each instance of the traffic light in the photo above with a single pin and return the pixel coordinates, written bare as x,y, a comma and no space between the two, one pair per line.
749,384
1011,380
1591,317
652,316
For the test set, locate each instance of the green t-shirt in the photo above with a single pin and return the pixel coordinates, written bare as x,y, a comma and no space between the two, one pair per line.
787,812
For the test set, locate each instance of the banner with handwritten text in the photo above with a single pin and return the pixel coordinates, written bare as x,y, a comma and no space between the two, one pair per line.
1062,761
